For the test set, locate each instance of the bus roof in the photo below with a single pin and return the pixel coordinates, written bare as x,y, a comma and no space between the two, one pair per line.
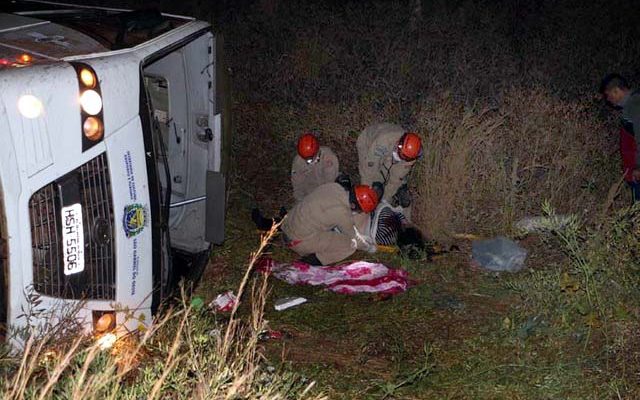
34,31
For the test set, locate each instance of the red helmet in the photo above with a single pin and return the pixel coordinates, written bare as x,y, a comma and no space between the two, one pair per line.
366,197
308,146
409,146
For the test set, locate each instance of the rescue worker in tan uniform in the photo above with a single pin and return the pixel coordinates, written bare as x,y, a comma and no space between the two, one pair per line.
313,166
386,154
327,225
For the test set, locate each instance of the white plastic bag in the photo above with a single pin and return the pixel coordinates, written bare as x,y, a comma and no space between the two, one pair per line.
499,254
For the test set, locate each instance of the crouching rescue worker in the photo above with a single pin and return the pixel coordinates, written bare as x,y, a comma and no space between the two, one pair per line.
313,166
326,226
386,154
616,91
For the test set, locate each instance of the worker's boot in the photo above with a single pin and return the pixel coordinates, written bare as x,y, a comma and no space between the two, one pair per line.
263,223
311,259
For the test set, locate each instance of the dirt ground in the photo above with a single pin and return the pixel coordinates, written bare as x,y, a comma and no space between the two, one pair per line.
458,333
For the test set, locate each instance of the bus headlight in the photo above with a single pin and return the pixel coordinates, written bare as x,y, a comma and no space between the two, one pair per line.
91,105
93,128
30,106
91,102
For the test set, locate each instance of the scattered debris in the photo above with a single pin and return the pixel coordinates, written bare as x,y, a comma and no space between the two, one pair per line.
273,335
388,249
499,254
107,340
349,278
197,303
542,223
288,302
466,236
530,326
568,283
215,333
224,302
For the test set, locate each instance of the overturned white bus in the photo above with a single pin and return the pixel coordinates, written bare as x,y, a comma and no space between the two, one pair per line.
111,158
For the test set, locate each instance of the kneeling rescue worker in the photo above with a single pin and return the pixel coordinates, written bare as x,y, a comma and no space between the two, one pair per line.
313,166
386,154
324,227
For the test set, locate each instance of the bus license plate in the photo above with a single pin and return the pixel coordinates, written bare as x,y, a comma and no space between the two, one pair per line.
72,239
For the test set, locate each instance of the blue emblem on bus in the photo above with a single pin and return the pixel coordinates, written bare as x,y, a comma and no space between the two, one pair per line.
134,220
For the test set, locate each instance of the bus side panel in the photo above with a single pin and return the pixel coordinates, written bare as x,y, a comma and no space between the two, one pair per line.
132,218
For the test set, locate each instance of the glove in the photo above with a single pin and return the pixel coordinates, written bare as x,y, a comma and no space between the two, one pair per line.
364,242
344,180
379,189
402,197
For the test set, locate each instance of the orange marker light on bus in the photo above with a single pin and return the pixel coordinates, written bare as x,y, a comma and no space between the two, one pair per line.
88,78
93,128
25,58
105,322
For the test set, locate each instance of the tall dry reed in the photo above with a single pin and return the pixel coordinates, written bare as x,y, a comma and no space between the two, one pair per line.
186,353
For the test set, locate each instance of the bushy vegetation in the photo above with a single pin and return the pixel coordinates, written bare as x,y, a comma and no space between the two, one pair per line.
486,168
503,93
589,302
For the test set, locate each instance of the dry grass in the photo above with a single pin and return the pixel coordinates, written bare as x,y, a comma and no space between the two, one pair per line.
502,93
185,354
485,168
456,140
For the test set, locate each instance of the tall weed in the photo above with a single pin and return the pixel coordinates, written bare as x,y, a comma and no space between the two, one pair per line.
187,353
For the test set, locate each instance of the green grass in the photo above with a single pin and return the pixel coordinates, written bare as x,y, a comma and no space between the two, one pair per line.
559,329
459,333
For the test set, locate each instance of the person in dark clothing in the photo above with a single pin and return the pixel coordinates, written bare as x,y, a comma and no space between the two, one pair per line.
616,91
